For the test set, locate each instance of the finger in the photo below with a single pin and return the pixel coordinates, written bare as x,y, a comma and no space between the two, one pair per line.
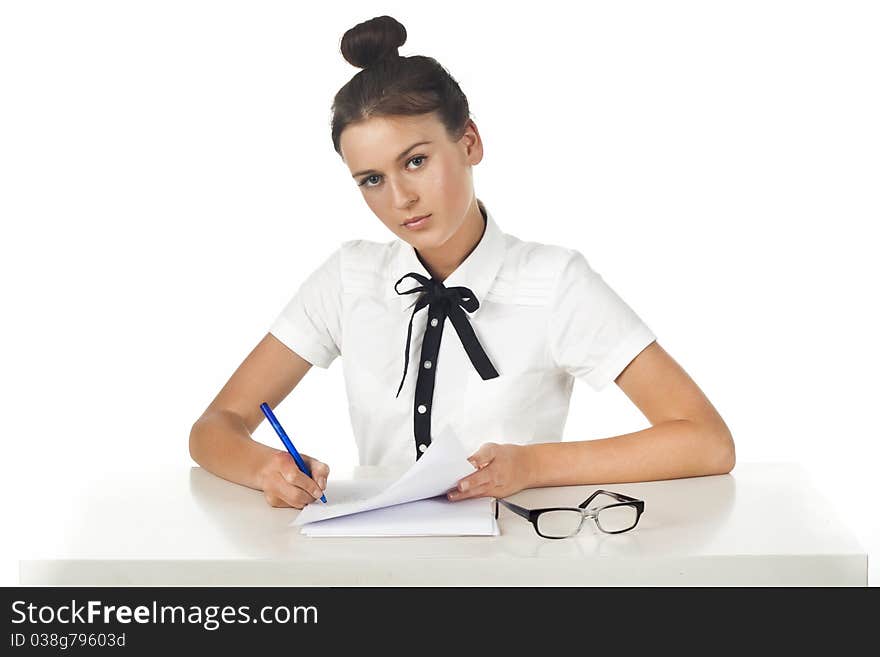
293,476
483,456
467,487
320,473
320,470
288,493
291,472
475,480
479,491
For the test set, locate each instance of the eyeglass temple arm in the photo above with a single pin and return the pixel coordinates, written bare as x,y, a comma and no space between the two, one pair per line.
618,496
518,510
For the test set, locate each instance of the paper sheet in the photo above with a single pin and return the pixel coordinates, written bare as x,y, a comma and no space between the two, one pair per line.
435,516
406,505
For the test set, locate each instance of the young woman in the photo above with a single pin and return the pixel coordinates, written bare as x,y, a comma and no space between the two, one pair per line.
498,331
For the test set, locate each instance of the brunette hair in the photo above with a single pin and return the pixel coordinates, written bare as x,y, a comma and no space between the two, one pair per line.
391,85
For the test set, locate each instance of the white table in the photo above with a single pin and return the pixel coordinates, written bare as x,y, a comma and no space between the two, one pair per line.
763,524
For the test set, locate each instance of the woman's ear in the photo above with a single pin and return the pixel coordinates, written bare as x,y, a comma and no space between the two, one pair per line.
472,143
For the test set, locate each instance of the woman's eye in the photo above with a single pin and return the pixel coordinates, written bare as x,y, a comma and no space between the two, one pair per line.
364,182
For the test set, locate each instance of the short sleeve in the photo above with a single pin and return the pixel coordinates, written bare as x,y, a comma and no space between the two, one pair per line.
311,322
593,333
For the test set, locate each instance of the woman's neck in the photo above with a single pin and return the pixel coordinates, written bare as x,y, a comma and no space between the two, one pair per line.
441,262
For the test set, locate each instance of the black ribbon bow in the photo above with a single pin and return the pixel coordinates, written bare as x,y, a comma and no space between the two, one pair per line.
449,301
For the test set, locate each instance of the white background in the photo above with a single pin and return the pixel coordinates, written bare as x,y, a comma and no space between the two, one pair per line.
167,180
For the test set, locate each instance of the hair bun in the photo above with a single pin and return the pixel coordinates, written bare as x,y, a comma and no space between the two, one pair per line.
368,42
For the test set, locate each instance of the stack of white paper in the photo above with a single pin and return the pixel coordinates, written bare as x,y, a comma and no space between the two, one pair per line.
414,505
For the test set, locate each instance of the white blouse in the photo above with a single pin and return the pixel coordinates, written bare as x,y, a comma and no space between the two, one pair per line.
494,348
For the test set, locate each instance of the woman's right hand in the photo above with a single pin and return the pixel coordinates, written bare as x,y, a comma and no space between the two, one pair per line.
285,485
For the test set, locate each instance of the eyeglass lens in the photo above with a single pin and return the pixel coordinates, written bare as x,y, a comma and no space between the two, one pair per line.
562,523
617,518
559,524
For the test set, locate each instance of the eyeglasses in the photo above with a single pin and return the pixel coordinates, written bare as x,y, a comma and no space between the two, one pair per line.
562,522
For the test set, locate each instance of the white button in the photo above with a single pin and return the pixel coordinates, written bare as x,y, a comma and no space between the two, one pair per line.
422,408
423,447
427,364
434,322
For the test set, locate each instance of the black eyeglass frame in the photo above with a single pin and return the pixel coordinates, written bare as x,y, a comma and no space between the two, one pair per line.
532,514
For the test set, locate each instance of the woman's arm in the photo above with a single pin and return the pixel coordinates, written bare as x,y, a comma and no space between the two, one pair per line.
221,442
688,438
669,450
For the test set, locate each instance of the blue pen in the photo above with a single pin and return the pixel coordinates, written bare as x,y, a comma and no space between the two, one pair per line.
284,439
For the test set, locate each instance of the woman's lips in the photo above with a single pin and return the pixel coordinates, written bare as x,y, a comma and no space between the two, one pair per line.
418,224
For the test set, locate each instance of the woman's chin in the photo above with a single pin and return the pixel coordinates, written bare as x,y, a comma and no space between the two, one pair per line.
425,237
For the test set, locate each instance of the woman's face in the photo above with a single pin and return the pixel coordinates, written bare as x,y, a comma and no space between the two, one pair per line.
399,179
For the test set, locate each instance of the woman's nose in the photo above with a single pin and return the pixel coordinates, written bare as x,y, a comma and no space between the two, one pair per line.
402,195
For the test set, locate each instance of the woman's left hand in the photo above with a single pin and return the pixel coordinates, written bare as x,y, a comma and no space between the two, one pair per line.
502,470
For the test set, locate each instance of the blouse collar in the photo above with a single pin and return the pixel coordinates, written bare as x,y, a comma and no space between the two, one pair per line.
476,272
